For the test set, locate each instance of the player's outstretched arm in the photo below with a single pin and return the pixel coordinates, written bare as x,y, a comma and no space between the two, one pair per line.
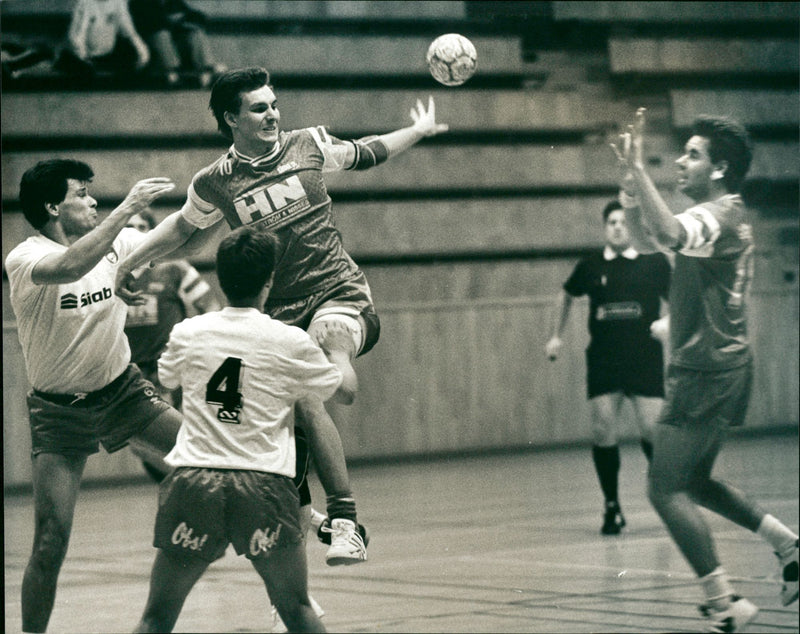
424,125
167,236
84,254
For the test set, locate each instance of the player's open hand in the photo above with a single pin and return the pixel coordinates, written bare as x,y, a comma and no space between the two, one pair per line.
425,120
629,150
145,192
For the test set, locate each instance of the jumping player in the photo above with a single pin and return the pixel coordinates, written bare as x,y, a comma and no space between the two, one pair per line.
711,363
624,359
274,178
241,373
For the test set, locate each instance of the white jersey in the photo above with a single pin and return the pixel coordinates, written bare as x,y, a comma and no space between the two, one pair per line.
71,334
241,373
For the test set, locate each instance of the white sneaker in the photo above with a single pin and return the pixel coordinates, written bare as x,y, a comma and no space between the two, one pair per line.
789,566
734,618
347,546
278,626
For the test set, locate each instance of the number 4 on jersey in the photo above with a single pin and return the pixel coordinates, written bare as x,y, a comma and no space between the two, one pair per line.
223,390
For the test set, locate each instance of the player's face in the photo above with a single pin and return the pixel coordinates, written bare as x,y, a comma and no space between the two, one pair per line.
255,127
617,236
138,223
695,169
78,211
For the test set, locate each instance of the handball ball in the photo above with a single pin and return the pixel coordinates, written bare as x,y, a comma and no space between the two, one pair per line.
452,59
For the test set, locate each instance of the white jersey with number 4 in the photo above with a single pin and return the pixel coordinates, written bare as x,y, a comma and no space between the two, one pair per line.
241,373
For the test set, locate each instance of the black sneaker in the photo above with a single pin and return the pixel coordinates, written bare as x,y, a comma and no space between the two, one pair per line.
613,520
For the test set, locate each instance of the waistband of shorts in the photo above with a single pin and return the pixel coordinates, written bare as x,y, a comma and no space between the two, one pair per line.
82,398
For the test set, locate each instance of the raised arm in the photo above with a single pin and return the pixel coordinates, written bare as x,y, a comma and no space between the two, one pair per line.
84,254
424,126
656,217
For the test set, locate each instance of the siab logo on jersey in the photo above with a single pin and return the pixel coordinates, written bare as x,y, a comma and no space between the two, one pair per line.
70,300
275,204
264,541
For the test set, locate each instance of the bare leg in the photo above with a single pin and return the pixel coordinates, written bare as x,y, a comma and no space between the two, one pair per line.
682,463
285,574
171,580
56,481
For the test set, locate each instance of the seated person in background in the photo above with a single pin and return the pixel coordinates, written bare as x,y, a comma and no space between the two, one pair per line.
102,38
175,33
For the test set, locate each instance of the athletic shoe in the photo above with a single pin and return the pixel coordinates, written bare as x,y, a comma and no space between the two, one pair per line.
278,627
613,520
789,589
347,546
322,526
734,618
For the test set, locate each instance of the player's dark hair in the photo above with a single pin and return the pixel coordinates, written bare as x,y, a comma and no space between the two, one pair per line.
612,205
46,182
245,262
727,141
226,93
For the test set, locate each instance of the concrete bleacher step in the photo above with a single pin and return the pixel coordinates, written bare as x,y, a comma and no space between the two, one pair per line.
48,116
756,109
429,167
703,56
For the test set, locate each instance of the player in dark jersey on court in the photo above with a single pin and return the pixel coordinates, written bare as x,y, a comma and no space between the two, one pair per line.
274,178
711,364
624,359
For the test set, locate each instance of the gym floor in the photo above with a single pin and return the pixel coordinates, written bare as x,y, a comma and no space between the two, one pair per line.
492,543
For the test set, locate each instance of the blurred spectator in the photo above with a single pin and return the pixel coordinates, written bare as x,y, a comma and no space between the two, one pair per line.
177,38
19,55
102,38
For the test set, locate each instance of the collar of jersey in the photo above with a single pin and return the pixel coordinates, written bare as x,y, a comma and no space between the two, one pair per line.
264,158
629,254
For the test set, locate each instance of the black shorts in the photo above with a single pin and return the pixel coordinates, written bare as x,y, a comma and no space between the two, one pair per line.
639,375
201,511
68,424
699,397
353,293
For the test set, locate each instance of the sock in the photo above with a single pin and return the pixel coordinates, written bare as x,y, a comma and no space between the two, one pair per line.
717,588
779,536
342,506
606,463
647,448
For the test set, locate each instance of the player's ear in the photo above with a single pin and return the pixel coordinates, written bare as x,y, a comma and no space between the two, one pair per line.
230,119
719,170
51,208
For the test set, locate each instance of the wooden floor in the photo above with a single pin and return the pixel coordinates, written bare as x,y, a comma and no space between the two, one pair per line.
478,544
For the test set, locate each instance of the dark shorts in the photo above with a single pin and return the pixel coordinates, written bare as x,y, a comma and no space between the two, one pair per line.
697,397
642,375
65,424
353,294
302,460
201,511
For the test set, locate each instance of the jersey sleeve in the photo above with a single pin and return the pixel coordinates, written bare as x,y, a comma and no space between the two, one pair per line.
337,154
319,377
576,285
170,363
196,210
193,291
